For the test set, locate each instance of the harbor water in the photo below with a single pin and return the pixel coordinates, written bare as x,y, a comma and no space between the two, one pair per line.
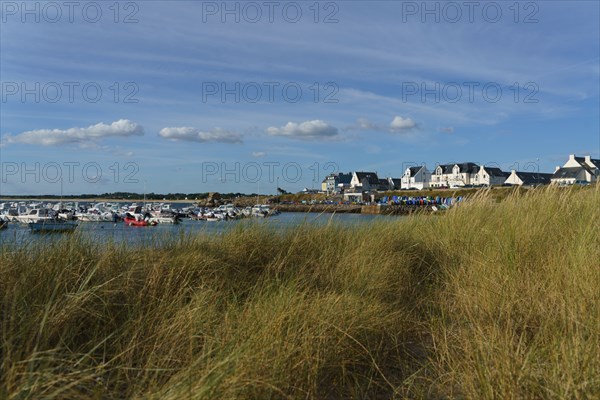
18,234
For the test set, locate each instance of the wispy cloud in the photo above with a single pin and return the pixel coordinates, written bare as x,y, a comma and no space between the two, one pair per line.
309,130
398,124
85,136
258,154
195,135
363,123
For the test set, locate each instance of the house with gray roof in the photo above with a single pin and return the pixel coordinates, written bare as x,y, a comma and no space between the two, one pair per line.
527,178
336,183
577,170
364,181
454,175
415,178
488,176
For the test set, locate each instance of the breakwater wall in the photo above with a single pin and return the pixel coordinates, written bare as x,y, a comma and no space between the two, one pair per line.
327,208
393,209
396,209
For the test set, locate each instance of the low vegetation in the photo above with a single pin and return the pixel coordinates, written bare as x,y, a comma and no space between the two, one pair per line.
489,301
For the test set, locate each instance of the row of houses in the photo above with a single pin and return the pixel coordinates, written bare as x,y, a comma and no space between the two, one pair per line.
575,170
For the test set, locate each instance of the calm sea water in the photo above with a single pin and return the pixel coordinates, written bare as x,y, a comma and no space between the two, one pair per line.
119,232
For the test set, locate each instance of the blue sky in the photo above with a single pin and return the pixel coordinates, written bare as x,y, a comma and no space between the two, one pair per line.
387,74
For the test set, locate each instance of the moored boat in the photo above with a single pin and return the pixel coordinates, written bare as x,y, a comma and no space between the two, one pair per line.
36,215
130,220
164,220
52,225
262,211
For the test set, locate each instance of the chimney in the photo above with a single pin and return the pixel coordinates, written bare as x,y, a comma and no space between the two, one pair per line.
588,161
556,168
571,157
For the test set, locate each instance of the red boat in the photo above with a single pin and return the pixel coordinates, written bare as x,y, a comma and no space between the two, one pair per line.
132,221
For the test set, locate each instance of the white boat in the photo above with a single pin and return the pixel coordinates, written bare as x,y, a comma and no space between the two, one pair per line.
161,219
212,216
36,215
61,210
53,225
137,212
11,214
263,211
96,217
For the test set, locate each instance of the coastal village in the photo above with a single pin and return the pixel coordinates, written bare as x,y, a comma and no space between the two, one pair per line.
359,186
355,192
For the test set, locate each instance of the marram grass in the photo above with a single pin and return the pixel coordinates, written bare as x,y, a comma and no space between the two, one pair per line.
489,301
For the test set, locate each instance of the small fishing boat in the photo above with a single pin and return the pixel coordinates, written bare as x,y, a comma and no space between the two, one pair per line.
36,215
51,226
262,211
133,221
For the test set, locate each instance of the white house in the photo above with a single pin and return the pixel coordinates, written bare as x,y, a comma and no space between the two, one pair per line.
364,181
415,178
577,170
454,175
487,176
527,178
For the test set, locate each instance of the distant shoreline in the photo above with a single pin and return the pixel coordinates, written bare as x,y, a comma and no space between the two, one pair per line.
95,200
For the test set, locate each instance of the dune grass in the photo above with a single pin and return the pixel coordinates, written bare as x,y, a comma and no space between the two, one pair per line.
489,301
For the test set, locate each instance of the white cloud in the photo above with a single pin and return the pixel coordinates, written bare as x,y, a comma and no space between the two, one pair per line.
316,129
258,154
400,124
85,136
195,135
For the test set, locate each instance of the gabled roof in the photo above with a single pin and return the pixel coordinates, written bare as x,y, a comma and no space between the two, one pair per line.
371,177
345,178
466,167
339,177
585,165
596,162
534,177
415,170
494,171
567,173
446,168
